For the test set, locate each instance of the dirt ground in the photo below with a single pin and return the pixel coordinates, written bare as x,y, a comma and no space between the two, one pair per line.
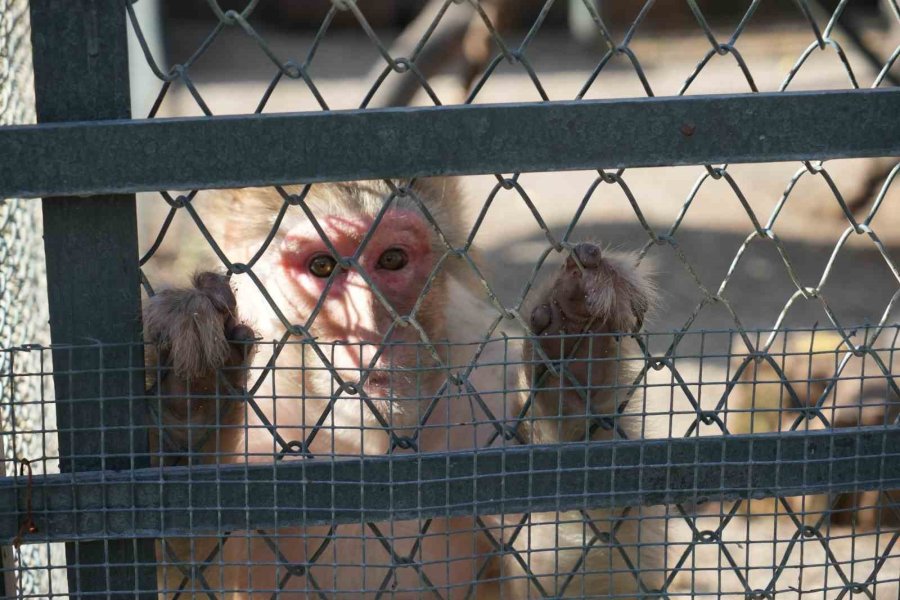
233,75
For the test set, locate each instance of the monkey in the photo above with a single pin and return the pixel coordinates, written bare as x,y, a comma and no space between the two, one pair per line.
858,396
390,315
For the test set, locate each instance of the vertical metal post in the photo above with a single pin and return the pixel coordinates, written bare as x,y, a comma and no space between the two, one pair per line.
7,575
81,73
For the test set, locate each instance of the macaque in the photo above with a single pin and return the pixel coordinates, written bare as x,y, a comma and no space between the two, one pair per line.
370,318
859,396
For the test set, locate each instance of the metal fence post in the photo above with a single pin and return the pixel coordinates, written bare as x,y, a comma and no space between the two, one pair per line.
81,73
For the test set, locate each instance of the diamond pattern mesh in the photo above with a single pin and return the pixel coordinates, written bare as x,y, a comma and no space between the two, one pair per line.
783,378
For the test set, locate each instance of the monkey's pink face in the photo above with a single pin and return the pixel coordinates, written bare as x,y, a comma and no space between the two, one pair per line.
397,260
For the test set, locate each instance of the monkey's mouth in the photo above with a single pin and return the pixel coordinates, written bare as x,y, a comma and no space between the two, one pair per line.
391,384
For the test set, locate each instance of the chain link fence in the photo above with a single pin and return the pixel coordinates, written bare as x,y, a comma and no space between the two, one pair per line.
532,441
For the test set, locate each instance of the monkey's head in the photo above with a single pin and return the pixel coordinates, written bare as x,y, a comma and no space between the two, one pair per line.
359,264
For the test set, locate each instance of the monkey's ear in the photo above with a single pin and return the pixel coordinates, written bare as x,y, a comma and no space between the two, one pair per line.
247,215
444,200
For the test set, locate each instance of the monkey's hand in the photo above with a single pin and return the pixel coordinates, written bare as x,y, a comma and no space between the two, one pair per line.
582,323
204,352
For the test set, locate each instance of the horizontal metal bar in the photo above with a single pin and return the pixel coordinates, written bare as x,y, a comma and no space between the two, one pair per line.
236,151
178,500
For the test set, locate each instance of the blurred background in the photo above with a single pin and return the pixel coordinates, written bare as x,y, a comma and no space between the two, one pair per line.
565,53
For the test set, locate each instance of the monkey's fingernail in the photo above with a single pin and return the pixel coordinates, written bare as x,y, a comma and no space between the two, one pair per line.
540,318
589,255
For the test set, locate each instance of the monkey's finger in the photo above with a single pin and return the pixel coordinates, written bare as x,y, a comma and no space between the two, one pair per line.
541,318
241,348
588,254
548,323
217,288
571,298
241,333
242,340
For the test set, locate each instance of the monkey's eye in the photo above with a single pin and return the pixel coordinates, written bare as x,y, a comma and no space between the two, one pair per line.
393,259
322,265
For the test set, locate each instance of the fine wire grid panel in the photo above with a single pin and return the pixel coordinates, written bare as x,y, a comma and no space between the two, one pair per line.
821,543
823,363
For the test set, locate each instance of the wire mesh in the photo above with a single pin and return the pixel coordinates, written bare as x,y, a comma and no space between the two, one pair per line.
22,312
303,412
827,543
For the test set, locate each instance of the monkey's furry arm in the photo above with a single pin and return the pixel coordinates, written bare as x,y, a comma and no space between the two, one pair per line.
578,320
199,351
